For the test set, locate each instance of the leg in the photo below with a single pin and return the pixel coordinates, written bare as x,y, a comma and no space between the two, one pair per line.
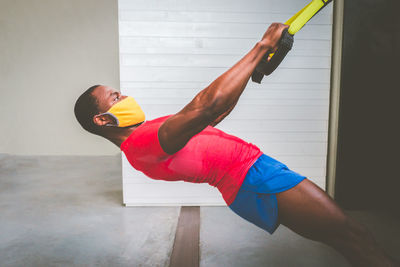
309,211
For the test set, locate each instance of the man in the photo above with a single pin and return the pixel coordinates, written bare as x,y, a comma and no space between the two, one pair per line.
186,146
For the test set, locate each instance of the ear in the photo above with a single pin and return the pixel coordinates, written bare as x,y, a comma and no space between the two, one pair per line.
103,119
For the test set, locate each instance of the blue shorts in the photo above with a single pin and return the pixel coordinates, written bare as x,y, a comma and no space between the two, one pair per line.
256,200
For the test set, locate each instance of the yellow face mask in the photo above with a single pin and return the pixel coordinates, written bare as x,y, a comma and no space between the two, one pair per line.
126,112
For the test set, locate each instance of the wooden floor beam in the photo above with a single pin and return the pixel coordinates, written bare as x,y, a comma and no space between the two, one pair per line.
187,237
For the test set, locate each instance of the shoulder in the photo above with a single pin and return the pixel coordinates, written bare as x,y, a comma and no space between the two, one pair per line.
144,139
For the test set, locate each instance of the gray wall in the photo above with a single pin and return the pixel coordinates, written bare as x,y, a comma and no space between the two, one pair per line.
50,51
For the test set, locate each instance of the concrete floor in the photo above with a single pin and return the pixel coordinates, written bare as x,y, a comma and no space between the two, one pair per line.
67,211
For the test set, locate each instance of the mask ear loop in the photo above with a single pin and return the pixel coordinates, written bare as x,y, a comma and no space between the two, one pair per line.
138,124
112,115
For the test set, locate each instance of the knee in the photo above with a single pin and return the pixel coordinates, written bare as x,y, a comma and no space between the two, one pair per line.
357,229
350,231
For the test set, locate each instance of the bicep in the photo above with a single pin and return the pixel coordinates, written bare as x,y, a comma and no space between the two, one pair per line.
177,130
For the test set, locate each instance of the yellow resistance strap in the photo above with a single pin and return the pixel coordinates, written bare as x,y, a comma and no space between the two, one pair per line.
267,66
304,15
300,19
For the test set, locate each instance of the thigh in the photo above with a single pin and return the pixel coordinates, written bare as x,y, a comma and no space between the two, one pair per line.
307,210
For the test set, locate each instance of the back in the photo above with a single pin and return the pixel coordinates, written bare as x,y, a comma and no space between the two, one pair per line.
211,156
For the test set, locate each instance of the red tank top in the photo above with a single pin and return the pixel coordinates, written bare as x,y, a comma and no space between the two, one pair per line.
211,156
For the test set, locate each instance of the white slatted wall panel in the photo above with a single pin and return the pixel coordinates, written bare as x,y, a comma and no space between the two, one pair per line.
172,49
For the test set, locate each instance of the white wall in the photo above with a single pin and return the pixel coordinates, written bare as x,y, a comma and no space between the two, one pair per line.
172,49
50,52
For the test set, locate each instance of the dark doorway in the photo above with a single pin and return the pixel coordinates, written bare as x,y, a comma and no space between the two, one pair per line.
368,160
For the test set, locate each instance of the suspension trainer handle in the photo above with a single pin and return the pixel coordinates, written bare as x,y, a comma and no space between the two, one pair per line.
295,23
266,67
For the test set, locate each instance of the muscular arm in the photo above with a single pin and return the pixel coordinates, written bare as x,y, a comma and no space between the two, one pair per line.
222,116
229,86
219,98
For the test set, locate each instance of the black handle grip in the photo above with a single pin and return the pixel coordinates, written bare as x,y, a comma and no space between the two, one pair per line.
266,67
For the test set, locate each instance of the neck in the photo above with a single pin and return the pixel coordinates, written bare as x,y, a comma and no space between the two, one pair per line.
118,135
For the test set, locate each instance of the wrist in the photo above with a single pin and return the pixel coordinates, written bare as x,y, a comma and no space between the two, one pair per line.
264,45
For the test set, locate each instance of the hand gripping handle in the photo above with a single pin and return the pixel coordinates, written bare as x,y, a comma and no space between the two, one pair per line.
266,67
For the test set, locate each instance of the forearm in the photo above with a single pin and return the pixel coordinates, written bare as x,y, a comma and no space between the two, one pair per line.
227,88
222,116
